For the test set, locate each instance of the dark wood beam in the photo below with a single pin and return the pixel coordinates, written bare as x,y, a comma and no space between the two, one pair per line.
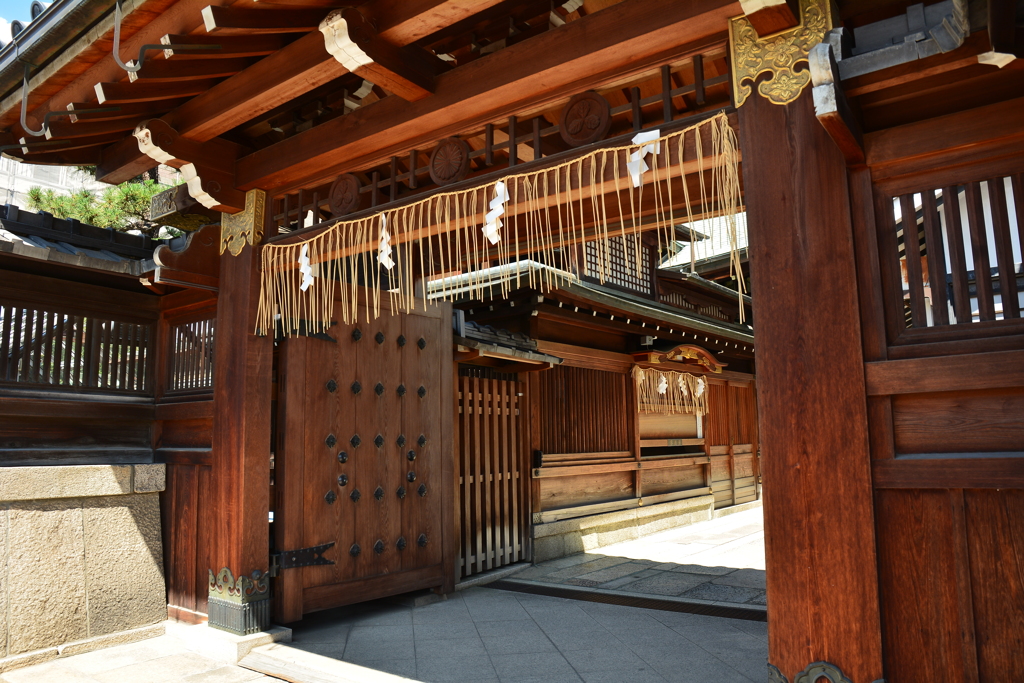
221,46
621,40
42,146
65,130
1002,23
122,93
237,21
299,67
167,71
84,111
771,16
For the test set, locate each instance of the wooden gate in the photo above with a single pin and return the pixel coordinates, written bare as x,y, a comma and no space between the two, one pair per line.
365,461
492,459
893,416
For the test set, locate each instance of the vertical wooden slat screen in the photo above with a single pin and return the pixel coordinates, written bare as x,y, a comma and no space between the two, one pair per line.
491,465
583,411
192,355
949,276
56,349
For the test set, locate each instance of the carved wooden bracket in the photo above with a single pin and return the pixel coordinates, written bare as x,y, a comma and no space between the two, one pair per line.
177,208
830,105
407,72
207,167
684,353
197,266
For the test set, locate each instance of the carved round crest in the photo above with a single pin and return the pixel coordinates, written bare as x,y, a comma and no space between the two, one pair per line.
449,162
586,119
344,197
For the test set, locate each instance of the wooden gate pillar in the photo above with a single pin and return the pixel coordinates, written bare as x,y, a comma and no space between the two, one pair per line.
239,554
819,529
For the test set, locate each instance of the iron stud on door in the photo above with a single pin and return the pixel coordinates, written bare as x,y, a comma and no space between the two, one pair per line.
378,547
357,334
422,490
400,544
422,343
422,391
379,337
355,495
332,386
342,457
355,441
401,440
411,455
422,541
354,550
378,441
379,493
379,389
400,492
342,480
401,390
401,340
330,497
422,441
411,476
356,387
331,440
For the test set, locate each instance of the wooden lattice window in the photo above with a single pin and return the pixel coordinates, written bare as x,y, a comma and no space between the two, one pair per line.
961,261
191,362
52,348
621,265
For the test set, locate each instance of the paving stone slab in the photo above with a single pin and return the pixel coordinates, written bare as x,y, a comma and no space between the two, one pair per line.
668,583
743,578
719,593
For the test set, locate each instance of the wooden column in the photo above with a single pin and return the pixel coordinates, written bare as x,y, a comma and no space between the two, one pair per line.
819,528
240,472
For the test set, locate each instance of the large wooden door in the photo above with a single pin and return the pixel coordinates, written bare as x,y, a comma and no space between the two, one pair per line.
365,460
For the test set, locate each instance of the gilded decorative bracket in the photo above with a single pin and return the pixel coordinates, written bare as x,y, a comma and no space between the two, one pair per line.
814,673
778,55
244,227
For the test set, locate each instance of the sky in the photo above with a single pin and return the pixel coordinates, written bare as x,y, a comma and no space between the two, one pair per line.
15,9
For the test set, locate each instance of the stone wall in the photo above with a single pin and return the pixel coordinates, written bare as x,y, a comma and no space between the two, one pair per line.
81,560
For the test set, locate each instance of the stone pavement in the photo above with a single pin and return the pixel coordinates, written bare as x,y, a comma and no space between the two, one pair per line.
157,660
484,635
719,561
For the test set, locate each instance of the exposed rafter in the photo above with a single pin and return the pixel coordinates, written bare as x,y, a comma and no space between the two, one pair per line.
221,46
235,21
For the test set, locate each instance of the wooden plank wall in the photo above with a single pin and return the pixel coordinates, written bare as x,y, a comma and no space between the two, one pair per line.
609,457
945,390
75,366
182,438
492,466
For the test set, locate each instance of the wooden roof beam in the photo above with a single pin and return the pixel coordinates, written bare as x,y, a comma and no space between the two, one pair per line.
236,21
771,16
83,111
297,68
403,22
407,72
124,93
221,46
63,129
621,39
164,71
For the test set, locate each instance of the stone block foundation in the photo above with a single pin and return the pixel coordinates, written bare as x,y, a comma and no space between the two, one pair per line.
583,534
81,560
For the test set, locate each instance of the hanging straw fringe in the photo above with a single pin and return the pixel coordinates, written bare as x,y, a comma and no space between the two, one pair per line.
666,391
545,214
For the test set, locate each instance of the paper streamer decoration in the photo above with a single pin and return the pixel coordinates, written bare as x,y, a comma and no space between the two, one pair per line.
305,269
540,215
667,391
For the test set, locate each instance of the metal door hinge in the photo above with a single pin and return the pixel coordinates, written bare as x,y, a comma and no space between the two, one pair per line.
304,557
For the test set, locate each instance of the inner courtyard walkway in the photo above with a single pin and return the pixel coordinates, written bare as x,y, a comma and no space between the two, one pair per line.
487,634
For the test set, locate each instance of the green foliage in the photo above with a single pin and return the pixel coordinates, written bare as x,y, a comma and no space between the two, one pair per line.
124,207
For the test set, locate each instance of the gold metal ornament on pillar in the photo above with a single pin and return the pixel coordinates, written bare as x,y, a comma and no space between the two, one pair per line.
777,54
246,226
